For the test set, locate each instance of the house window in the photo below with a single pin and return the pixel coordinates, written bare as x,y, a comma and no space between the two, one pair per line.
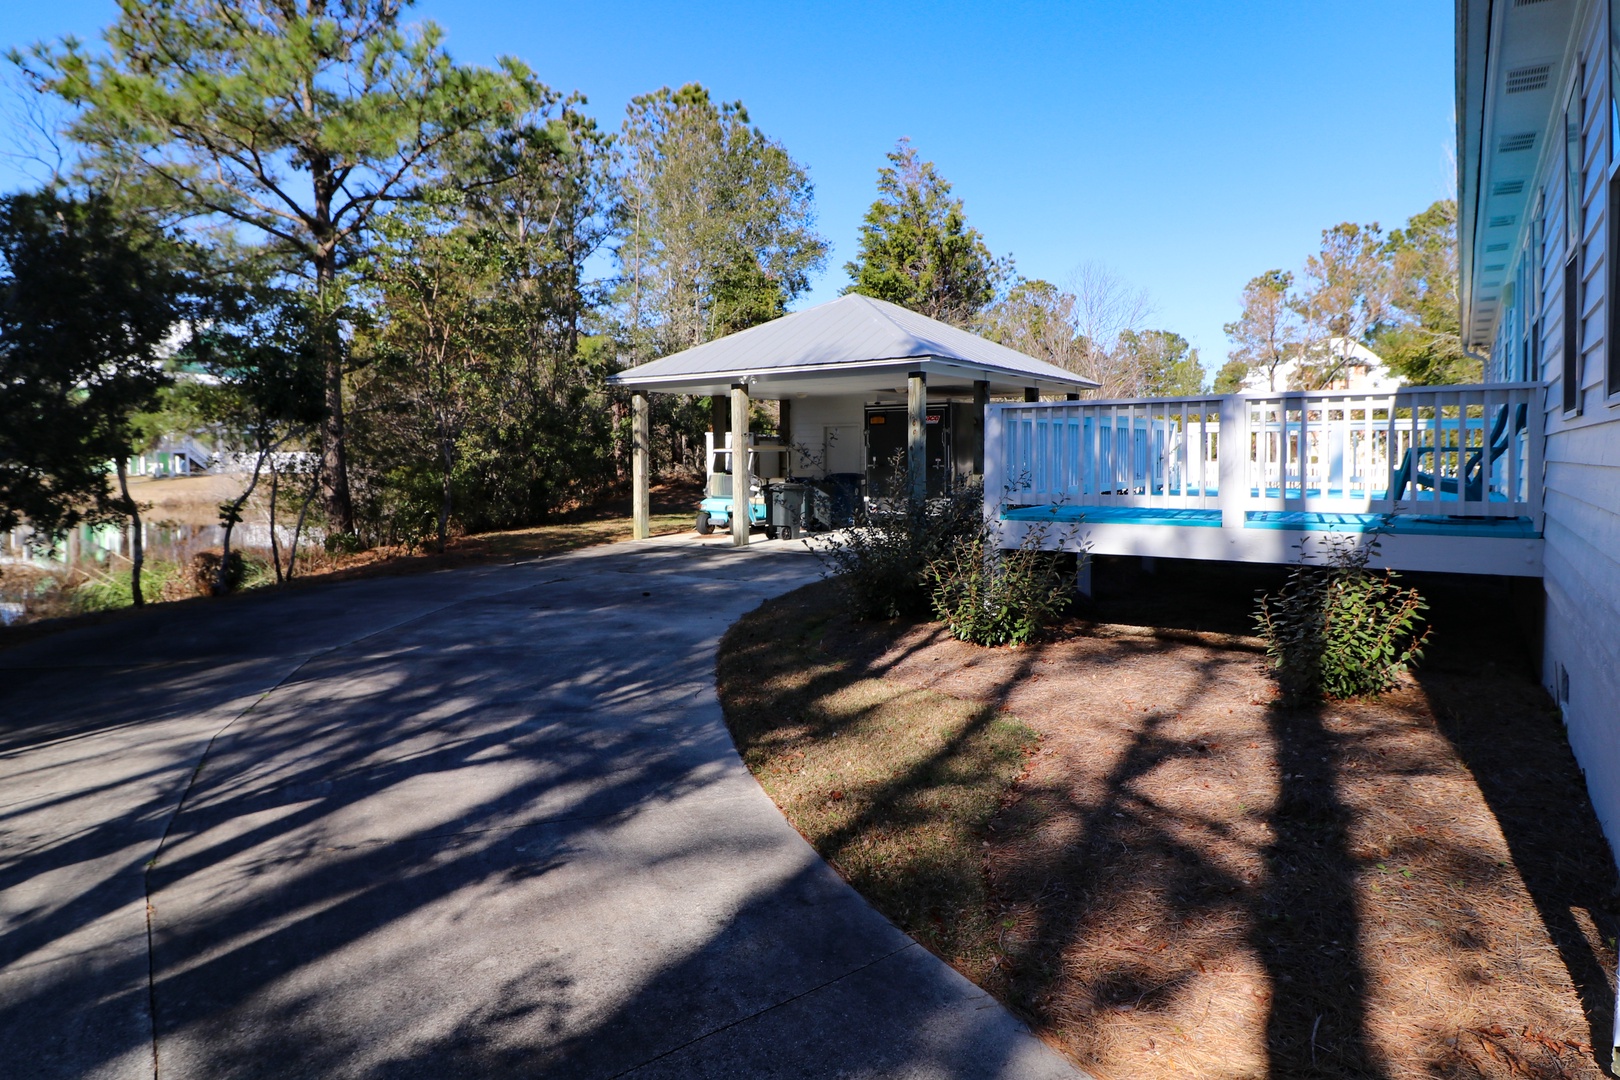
1611,221
1572,166
1572,335
1571,367
1611,291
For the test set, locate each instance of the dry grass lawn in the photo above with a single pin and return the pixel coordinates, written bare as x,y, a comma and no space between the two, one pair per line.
1188,881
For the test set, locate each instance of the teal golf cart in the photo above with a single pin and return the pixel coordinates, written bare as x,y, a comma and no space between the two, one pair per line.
766,461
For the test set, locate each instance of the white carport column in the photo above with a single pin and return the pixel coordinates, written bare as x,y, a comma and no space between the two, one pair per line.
640,464
741,475
917,435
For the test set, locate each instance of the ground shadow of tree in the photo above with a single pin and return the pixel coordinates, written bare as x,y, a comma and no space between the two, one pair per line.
349,885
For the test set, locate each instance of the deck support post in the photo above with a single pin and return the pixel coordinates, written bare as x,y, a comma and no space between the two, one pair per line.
640,465
1233,453
917,436
981,398
741,475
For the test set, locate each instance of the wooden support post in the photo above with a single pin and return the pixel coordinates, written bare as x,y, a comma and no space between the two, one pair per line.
917,435
640,463
741,476
981,398
1032,393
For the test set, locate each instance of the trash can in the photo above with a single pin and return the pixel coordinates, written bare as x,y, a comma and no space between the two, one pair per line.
796,508
844,492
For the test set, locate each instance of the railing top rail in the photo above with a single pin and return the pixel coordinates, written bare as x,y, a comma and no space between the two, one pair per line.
1214,400
1210,399
1448,388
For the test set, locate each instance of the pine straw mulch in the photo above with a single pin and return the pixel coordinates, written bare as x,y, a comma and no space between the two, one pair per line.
1188,881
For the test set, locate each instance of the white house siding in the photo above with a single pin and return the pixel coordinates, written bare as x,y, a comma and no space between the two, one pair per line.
810,419
1581,644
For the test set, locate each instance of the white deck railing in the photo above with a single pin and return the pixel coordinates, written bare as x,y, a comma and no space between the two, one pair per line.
1472,451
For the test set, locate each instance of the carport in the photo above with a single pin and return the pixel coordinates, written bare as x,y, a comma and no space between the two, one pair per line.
827,367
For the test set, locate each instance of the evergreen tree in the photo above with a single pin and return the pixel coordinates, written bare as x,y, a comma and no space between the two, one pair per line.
719,222
1422,342
917,249
292,124
1165,364
1229,379
86,307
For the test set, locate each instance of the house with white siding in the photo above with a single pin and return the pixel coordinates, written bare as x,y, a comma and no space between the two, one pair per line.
1538,112
1517,477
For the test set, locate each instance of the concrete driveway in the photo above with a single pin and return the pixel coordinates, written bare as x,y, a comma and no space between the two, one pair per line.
483,823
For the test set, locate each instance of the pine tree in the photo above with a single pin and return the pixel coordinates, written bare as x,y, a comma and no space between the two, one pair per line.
917,249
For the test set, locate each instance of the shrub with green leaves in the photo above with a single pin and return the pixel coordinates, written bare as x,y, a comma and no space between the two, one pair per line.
988,596
883,560
1338,629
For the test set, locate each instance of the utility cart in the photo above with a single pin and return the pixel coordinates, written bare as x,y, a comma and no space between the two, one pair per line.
767,460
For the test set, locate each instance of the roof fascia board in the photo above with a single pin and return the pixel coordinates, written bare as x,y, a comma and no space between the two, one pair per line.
1484,26
948,364
1474,35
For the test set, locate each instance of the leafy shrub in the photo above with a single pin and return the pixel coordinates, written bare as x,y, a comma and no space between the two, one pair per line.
987,596
1340,630
342,543
884,560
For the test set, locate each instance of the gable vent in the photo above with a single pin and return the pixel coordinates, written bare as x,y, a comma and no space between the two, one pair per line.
1501,222
1525,79
1496,247
1527,3
1512,144
1508,187
1495,266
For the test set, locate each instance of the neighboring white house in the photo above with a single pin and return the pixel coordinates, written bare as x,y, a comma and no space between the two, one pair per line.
1539,181
1360,369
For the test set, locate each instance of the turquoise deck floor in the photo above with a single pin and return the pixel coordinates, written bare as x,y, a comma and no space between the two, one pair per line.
1295,520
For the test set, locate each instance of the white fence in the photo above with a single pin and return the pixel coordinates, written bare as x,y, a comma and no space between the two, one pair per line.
1471,451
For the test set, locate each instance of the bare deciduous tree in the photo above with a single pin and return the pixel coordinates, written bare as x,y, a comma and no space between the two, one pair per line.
1108,311
1268,333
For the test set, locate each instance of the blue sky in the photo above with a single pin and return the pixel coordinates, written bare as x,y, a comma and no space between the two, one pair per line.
1186,146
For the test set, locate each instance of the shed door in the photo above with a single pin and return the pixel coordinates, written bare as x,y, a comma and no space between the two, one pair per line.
844,448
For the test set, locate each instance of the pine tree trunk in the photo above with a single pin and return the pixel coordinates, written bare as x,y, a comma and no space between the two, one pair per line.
137,545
